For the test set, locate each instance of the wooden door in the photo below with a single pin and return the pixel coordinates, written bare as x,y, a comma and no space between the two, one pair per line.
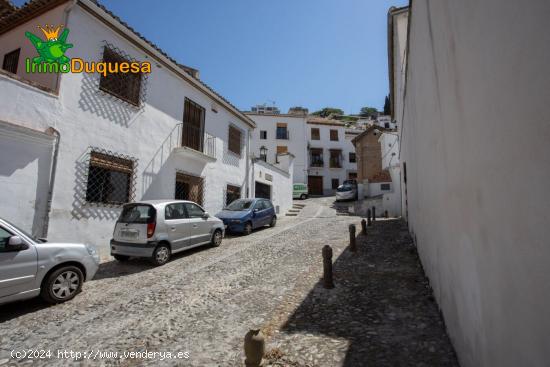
315,185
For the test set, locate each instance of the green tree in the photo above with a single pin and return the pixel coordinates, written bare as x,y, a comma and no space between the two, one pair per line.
368,111
327,111
387,107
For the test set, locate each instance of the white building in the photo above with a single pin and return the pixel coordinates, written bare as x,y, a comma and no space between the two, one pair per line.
74,146
278,134
470,95
331,155
389,143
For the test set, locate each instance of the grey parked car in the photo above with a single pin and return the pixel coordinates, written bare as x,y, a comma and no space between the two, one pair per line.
30,267
157,229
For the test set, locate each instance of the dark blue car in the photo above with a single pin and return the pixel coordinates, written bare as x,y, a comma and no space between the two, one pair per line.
244,215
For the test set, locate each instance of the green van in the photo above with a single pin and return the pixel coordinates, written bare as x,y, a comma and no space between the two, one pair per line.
300,191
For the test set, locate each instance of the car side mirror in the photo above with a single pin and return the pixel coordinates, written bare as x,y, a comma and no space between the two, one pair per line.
205,215
256,210
15,243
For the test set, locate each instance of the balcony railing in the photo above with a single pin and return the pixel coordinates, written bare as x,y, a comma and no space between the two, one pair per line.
195,138
315,162
335,162
283,135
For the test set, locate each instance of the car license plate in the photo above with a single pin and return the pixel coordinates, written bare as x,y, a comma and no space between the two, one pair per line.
129,234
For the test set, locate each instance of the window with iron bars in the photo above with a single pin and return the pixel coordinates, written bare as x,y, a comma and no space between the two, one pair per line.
232,193
335,158
316,157
189,187
109,179
126,86
11,60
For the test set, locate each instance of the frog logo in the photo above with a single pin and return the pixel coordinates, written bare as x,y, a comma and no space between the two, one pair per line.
53,49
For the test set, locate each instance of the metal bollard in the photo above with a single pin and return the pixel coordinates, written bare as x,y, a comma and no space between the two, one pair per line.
373,214
352,245
327,267
254,348
369,223
386,214
364,226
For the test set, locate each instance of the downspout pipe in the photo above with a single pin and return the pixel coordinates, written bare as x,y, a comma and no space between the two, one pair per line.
46,221
65,21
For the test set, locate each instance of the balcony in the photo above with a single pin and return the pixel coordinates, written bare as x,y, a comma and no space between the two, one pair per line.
194,143
316,162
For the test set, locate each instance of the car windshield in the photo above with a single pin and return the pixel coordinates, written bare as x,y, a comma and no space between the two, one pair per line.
240,204
35,239
137,213
344,188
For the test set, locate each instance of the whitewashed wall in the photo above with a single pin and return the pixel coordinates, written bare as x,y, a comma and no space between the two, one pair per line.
296,143
281,183
475,141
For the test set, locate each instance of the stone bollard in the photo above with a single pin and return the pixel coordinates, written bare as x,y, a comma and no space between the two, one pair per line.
352,246
254,348
363,226
373,214
327,267
369,223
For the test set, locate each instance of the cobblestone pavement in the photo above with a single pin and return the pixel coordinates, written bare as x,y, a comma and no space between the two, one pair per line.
205,300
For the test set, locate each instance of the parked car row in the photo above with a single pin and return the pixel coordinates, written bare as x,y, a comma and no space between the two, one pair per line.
150,229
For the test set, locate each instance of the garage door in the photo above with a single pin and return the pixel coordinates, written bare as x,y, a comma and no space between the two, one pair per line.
263,191
315,185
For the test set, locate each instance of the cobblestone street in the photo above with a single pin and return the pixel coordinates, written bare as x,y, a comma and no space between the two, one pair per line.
205,300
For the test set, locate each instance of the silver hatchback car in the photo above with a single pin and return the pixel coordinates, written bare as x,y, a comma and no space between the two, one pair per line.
157,229
30,267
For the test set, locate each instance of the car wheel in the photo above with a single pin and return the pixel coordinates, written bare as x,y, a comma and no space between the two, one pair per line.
161,255
62,284
247,228
121,258
273,222
303,196
217,238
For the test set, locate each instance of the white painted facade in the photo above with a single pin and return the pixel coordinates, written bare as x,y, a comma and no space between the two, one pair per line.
295,142
475,136
343,143
86,117
279,180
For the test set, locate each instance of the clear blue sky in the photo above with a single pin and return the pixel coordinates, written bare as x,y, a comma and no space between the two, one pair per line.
312,53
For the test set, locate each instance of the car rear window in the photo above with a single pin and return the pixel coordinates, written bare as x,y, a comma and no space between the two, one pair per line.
137,213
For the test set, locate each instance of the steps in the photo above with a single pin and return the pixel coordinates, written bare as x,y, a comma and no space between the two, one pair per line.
295,210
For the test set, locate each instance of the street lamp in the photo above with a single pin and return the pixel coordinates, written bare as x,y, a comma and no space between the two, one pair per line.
263,153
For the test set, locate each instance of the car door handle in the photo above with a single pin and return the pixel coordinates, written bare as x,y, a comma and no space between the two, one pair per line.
172,228
195,226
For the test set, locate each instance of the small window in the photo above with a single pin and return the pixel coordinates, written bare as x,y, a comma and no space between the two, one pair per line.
315,134
385,187
334,135
174,211
4,238
234,143
233,193
11,60
352,157
335,183
109,179
126,86
193,210
263,134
